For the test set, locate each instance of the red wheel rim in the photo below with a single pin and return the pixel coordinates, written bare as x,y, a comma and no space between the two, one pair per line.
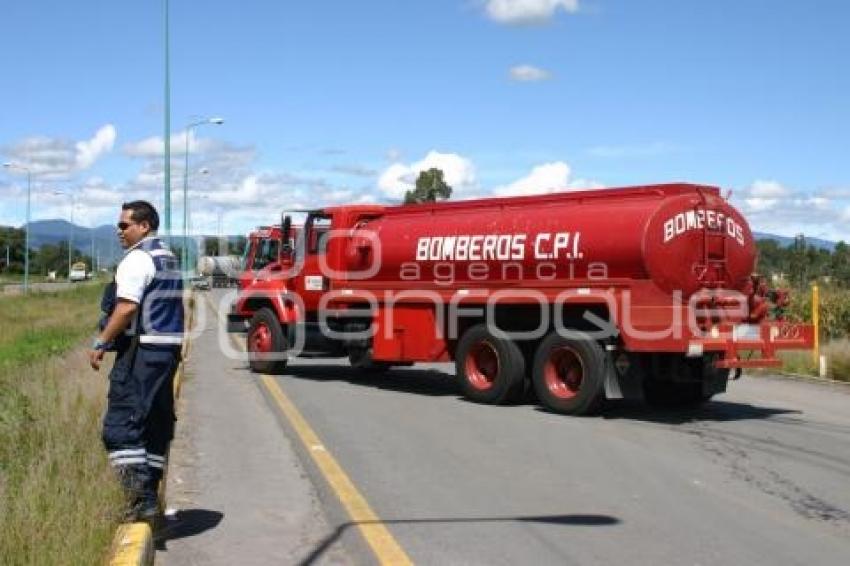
563,373
482,365
261,339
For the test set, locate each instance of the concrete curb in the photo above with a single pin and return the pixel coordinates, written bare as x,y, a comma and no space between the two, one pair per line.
132,545
133,542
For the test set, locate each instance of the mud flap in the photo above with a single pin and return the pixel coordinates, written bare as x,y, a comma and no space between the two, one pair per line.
623,376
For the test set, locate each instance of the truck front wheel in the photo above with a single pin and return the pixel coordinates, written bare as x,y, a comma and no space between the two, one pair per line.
491,369
266,343
569,374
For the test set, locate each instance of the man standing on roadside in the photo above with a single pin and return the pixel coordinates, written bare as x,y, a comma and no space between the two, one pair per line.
146,326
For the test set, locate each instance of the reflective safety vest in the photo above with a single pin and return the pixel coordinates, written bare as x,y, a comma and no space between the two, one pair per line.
160,319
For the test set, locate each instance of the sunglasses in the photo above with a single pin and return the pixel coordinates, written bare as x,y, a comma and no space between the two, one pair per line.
124,225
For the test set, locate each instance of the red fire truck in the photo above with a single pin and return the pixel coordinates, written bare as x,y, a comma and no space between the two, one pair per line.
586,295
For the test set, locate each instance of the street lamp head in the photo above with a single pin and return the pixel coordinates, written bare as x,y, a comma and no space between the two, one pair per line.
216,120
12,165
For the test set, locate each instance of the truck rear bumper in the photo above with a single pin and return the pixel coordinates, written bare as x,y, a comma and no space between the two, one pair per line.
756,346
735,345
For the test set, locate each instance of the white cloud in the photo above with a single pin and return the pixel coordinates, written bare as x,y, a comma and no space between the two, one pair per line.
154,146
398,178
818,203
89,151
769,206
528,73
527,12
768,189
55,159
765,195
837,193
546,178
395,180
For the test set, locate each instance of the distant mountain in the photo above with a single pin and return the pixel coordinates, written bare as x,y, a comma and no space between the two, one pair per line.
102,239
786,241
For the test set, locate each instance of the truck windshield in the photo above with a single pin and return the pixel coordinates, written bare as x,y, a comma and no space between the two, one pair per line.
243,261
267,252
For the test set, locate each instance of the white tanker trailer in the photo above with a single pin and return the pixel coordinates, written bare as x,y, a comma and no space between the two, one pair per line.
221,271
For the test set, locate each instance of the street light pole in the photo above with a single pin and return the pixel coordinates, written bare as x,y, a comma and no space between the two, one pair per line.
27,225
91,249
203,171
189,128
167,140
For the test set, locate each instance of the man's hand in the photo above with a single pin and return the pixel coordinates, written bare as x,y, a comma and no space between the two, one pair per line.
95,357
121,318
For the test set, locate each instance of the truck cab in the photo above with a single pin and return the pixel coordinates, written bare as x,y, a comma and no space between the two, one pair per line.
284,282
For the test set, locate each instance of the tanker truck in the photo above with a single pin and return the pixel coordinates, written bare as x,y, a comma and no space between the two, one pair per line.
646,292
221,271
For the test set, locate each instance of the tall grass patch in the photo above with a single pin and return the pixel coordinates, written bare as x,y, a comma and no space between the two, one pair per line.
834,314
59,502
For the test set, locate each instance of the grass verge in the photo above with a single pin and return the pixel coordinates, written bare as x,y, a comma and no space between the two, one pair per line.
837,354
59,502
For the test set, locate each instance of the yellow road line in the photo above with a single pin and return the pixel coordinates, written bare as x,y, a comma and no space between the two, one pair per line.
382,542
387,550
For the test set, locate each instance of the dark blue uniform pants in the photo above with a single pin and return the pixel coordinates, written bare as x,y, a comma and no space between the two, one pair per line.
139,420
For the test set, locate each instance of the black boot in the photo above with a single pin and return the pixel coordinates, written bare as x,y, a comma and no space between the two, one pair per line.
149,509
140,491
131,483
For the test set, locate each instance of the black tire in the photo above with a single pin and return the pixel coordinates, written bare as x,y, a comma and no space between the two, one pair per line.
361,359
265,342
569,374
490,369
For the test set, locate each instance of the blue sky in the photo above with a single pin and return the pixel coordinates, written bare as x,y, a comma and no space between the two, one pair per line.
329,102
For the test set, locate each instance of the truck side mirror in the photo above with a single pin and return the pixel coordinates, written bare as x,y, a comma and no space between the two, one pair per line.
285,227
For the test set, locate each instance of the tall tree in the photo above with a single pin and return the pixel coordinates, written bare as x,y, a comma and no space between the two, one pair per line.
840,263
12,240
430,186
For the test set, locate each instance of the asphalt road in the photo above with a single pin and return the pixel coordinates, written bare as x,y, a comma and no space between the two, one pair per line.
759,476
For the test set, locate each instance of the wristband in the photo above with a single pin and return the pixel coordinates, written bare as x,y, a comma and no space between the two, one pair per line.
98,344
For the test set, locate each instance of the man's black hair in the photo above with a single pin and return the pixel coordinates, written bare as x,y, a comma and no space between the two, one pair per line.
143,211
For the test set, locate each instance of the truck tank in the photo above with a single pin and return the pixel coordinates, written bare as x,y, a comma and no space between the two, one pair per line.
680,236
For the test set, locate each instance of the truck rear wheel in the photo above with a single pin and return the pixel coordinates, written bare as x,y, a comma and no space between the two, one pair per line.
266,342
569,374
491,369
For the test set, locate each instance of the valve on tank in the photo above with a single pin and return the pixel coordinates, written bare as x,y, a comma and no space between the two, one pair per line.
763,301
